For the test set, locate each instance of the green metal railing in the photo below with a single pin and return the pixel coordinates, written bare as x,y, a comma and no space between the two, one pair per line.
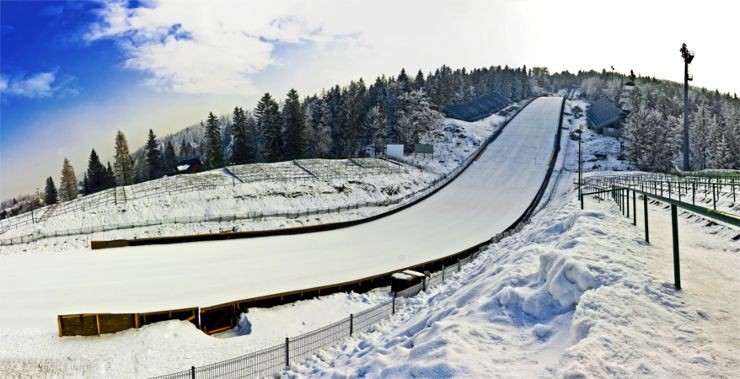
620,187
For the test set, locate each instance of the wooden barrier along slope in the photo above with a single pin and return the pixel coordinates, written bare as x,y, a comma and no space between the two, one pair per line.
220,317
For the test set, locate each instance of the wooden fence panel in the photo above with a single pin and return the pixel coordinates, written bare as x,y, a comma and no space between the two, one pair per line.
112,323
78,325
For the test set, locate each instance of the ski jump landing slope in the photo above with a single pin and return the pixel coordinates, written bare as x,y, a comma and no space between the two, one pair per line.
487,198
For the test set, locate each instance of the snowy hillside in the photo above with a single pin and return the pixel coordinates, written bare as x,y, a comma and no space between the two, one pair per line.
171,209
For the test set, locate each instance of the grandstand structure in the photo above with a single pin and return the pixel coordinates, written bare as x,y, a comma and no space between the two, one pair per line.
478,108
604,117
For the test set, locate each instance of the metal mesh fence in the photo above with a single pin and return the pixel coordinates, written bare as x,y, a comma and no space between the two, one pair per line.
185,374
271,361
368,317
259,364
308,344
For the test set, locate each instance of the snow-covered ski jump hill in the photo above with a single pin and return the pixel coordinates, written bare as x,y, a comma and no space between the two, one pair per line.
486,199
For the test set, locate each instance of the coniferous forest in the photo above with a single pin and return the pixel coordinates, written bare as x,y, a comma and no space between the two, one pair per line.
359,118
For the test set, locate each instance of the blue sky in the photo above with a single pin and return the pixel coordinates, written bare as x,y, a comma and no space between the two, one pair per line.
43,37
72,73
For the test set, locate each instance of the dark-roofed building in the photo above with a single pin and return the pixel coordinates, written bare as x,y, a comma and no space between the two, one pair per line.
604,116
479,107
189,166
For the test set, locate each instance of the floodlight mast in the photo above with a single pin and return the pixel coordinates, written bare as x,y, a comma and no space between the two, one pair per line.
687,56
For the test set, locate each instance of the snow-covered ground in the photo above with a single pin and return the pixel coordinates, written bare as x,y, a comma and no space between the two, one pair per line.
171,345
575,294
453,141
483,201
28,318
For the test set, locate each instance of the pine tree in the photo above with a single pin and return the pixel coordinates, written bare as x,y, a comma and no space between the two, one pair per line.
153,157
722,157
110,176
419,80
141,170
86,184
170,159
349,120
50,192
253,138
416,116
402,77
124,164
376,126
96,175
186,150
213,142
239,138
268,119
68,183
295,125
318,131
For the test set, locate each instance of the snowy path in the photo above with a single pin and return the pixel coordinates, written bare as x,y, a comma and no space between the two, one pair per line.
483,201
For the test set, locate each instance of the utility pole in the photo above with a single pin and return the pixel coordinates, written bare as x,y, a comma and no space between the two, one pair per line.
687,56
580,159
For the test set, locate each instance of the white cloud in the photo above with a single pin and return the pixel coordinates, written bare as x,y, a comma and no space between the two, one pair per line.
224,46
203,47
32,86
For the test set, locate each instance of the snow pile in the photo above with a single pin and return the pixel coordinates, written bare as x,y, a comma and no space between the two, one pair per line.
171,346
559,284
575,294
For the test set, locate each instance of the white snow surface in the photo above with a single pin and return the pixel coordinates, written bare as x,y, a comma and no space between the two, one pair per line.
171,346
576,294
483,201
453,141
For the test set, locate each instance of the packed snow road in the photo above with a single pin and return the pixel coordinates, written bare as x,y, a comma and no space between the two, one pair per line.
488,197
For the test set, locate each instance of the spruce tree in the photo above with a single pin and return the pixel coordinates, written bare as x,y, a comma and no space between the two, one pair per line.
96,174
110,176
186,150
253,138
86,185
68,183
318,132
419,80
124,164
376,128
722,157
170,159
295,124
50,192
268,119
213,142
239,138
153,157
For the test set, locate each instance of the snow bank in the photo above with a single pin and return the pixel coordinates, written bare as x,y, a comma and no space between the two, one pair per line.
574,294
